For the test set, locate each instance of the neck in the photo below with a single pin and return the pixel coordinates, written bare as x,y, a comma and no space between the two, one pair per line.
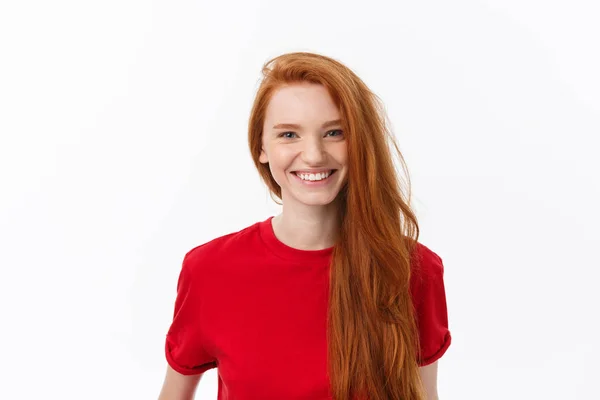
306,231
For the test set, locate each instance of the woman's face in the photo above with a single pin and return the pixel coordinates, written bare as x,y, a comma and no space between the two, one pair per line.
302,132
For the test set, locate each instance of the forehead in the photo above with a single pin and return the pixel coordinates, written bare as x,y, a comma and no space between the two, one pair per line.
303,101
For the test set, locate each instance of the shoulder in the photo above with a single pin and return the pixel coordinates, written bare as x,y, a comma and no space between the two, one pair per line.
219,248
427,269
426,263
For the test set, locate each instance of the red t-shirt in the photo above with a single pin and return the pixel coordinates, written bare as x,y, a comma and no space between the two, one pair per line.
256,309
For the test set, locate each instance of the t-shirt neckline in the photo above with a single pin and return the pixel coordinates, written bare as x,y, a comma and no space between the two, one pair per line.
318,257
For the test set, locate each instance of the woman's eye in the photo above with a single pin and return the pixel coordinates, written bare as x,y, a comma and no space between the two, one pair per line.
339,131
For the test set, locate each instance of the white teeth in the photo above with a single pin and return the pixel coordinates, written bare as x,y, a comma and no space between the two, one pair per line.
314,177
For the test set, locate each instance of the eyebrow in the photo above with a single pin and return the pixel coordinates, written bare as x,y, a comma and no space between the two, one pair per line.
296,126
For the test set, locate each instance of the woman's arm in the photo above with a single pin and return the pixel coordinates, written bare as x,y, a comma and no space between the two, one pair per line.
178,386
429,378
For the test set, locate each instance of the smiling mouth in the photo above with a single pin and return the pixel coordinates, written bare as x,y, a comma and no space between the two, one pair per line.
333,171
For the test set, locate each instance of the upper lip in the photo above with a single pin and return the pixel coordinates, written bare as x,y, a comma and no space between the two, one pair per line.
314,171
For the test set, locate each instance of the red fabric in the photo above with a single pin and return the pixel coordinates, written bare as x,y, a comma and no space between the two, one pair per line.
256,309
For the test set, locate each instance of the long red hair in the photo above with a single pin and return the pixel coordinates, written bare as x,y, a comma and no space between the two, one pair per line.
372,334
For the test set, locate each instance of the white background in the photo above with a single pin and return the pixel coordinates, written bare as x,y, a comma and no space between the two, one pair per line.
124,145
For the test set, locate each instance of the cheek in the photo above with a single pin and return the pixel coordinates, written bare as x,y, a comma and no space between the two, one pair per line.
282,157
277,165
340,154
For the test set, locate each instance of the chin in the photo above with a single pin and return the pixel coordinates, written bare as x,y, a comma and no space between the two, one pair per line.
315,201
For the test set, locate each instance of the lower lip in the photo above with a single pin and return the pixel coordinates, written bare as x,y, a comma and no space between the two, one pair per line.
322,182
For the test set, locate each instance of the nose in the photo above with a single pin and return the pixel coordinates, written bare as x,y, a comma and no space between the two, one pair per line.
313,152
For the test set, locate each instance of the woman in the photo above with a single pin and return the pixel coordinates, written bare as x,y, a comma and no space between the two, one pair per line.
334,298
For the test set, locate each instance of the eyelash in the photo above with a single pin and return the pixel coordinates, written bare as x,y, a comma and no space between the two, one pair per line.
334,130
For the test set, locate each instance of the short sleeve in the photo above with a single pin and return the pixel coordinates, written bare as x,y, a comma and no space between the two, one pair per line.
431,308
185,345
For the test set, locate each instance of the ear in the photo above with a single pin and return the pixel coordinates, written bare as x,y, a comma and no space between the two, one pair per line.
263,157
